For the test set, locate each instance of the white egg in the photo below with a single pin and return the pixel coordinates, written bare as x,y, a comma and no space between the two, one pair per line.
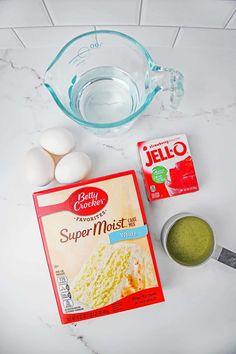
39,167
57,141
73,167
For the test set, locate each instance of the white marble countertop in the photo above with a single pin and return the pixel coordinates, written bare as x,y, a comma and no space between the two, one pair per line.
199,314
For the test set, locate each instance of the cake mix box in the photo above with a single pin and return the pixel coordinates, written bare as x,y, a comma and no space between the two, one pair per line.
167,167
98,247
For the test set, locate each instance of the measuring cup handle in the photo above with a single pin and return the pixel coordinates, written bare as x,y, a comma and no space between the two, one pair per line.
169,80
225,256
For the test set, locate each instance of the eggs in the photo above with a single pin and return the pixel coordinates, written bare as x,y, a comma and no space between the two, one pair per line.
54,159
73,167
39,167
57,141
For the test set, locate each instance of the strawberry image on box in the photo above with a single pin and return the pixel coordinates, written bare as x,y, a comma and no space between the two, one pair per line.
167,167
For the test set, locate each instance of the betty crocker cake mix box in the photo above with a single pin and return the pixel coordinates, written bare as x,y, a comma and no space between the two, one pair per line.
98,247
167,167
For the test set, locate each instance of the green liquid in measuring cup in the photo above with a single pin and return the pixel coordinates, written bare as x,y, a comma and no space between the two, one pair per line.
190,241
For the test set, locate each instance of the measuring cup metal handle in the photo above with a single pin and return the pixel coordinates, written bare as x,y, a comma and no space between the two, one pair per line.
169,80
225,256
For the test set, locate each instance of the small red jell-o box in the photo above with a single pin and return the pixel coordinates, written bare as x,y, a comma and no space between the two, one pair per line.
167,167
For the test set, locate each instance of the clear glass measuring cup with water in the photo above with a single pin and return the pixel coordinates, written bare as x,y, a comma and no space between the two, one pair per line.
104,80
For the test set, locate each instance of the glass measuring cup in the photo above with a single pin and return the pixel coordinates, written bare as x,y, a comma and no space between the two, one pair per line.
104,80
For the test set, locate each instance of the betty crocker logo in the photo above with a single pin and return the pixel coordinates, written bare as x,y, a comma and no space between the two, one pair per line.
87,201
164,153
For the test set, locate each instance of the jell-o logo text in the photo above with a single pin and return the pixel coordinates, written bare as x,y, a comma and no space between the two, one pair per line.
164,153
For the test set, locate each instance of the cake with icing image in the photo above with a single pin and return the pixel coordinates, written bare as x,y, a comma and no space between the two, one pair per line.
111,273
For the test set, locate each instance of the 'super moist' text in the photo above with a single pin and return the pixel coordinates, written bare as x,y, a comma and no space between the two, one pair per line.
100,227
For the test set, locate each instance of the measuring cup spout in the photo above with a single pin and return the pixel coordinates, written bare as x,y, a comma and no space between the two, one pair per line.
168,80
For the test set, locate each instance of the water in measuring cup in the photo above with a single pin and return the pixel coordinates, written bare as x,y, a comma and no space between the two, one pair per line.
104,95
